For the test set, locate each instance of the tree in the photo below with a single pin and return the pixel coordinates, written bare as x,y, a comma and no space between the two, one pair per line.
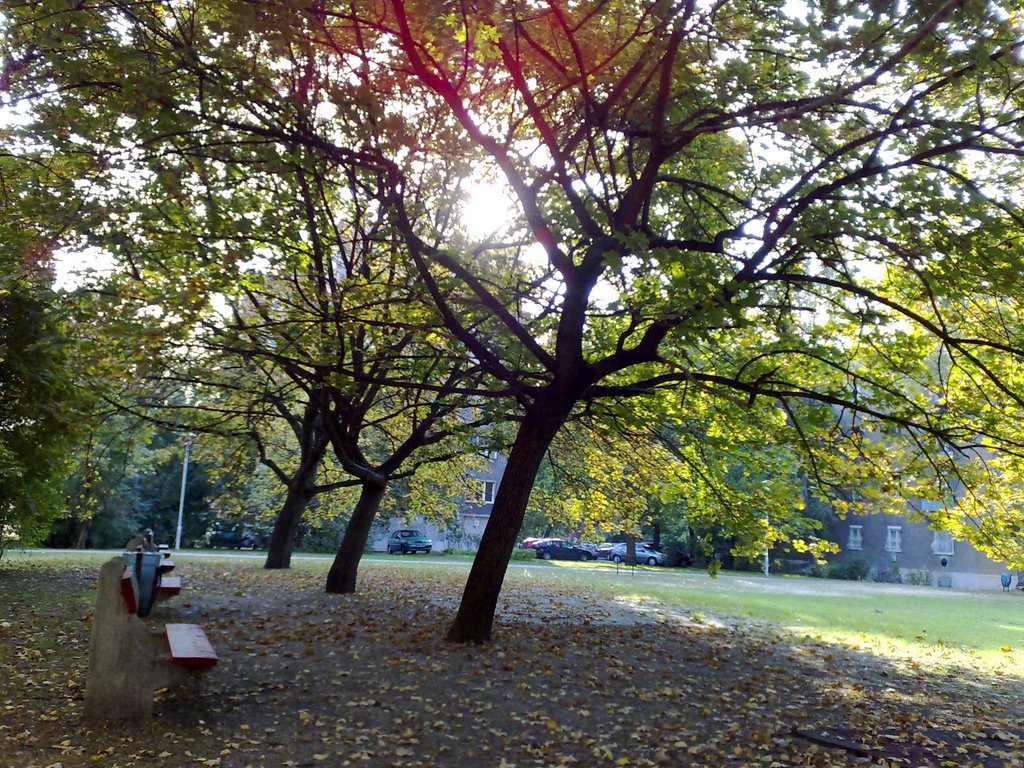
786,208
701,464
100,505
259,276
744,202
39,406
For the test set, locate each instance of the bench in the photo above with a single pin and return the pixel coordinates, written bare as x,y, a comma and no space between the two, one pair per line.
188,646
169,586
128,661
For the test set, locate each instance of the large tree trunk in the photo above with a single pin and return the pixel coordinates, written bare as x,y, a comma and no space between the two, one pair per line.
480,599
341,579
313,445
286,526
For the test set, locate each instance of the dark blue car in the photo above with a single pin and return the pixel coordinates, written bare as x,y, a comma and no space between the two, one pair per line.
560,549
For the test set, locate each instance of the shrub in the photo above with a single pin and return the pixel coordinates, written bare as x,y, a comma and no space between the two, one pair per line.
816,570
851,568
922,577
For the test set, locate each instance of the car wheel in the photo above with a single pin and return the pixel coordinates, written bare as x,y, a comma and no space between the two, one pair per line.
652,561
390,550
405,549
546,556
616,559
584,557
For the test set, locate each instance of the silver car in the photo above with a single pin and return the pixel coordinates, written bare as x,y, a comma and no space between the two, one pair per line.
644,555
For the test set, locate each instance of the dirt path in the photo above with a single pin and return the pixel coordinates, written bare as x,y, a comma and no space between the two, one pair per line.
307,679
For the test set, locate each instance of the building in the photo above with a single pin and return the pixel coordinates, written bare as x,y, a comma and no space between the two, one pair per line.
897,548
473,514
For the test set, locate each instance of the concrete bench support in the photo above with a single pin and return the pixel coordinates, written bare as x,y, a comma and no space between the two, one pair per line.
128,662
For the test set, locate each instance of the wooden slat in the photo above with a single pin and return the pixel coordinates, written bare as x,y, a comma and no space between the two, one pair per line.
189,646
128,588
166,566
170,585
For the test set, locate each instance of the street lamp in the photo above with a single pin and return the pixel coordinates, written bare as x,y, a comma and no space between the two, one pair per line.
181,498
768,528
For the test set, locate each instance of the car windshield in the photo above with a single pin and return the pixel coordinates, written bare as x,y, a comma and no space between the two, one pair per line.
411,534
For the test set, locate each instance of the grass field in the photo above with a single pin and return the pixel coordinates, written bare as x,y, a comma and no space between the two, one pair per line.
945,626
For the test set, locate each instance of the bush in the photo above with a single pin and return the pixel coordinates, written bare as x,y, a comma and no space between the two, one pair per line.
794,567
851,568
922,577
816,570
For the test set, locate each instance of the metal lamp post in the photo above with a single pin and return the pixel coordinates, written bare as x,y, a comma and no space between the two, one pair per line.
181,498
767,525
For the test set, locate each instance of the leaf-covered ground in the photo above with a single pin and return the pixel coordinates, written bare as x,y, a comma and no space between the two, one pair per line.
307,679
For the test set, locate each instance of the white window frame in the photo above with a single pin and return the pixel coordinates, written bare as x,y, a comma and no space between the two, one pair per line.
942,543
894,538
487,491
855,540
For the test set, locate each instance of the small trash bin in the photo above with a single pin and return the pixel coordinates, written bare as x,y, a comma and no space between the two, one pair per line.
147,575
1004,579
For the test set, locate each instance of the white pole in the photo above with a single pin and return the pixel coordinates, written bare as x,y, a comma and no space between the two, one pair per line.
181,499
767,525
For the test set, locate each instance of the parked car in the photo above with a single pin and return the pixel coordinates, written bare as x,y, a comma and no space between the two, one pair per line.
643,555
224,535
530,543
560,549
407,541
604,551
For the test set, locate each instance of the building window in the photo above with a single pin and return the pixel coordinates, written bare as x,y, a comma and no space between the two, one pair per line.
856,540
894,538
942,544
487,493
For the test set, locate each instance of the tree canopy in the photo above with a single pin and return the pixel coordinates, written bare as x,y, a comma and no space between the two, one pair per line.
40,409
807,214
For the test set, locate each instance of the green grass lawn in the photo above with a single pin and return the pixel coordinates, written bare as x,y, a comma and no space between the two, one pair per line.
945,625
933,625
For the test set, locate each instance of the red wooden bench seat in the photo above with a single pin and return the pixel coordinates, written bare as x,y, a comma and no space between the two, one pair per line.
189,647
170,585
